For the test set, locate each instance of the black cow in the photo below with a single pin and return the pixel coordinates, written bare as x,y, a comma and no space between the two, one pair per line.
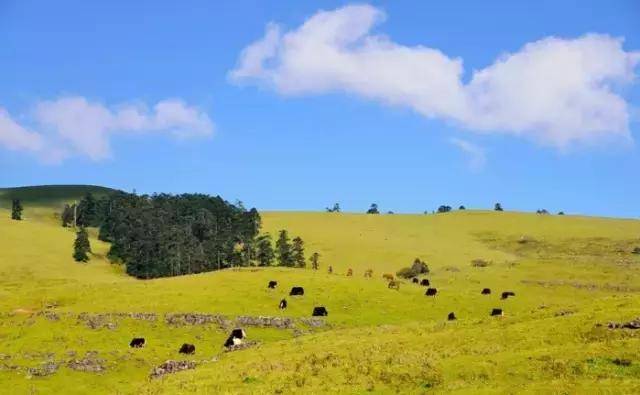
272,284
187,349
137,342
296,291
283,304
452,316
235,338
320,312
415,280
506,294
486,291
496,312
431,292
425,282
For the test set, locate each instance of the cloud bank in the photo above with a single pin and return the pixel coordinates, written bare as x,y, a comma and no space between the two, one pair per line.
554,91
75,126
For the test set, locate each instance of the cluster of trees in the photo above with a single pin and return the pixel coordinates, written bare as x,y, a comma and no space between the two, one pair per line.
373,209
16,210
288,253
168,235
334,209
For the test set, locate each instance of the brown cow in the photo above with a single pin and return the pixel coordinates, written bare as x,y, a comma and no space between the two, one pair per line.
349,272
368,273
393,284
388,276
330,270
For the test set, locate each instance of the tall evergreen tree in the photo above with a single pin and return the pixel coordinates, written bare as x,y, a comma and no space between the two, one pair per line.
67,215
315,261
283,249
88,211
373,209
498,207
264,253
16,210
81,246
297,252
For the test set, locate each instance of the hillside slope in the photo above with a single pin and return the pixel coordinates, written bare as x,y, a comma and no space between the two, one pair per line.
569,274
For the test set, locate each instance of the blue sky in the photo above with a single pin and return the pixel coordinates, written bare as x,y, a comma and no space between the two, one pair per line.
409,104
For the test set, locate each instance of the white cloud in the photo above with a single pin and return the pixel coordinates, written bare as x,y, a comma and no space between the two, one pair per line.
555,91
15,137
75,126
475,154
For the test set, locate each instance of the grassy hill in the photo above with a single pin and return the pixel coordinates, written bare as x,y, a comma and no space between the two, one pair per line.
569,274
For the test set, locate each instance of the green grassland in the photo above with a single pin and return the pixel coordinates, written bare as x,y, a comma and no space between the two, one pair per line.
569,274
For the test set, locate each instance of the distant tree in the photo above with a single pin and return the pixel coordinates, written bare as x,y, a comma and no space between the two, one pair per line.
334,209
390,212
462,208
81,246
498,207
315,261
297,253
373,209
561,213
87,211
16,210
264,254
444,209
67,215
283,249
543,211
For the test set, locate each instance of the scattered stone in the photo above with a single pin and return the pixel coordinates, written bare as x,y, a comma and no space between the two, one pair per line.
171,366
241,346
88,364
633,324
46,369
271,322
183,319
313,322
562,313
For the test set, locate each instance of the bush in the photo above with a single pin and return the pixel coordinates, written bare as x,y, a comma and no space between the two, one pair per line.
636,251
480,263
417,268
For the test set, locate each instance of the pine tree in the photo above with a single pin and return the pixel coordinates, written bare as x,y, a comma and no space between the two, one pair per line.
315,261
373,209
498,207
283,249
67,215
16,210
264,254
81,246
298,253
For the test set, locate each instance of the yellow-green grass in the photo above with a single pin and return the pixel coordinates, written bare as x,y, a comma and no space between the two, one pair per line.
571,274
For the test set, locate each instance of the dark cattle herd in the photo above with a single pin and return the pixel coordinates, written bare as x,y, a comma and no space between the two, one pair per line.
238,335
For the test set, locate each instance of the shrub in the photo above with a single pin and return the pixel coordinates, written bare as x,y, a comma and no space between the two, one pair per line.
636,250
480,263
417,268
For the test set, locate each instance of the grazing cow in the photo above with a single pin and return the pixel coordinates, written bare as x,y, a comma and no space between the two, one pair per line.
425,282
187,349
506,294
283,304
451,316
296,291
486,291
330,270
236,337
349,272
320,311
497,312
431,292
388,276
137,342
415,280
393,284
368,273
272,284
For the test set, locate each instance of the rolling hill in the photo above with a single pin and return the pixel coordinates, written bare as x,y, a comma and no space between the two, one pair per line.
65,327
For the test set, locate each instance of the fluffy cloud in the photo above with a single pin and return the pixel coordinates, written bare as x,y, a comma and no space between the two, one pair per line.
555,91
75,126
475,154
